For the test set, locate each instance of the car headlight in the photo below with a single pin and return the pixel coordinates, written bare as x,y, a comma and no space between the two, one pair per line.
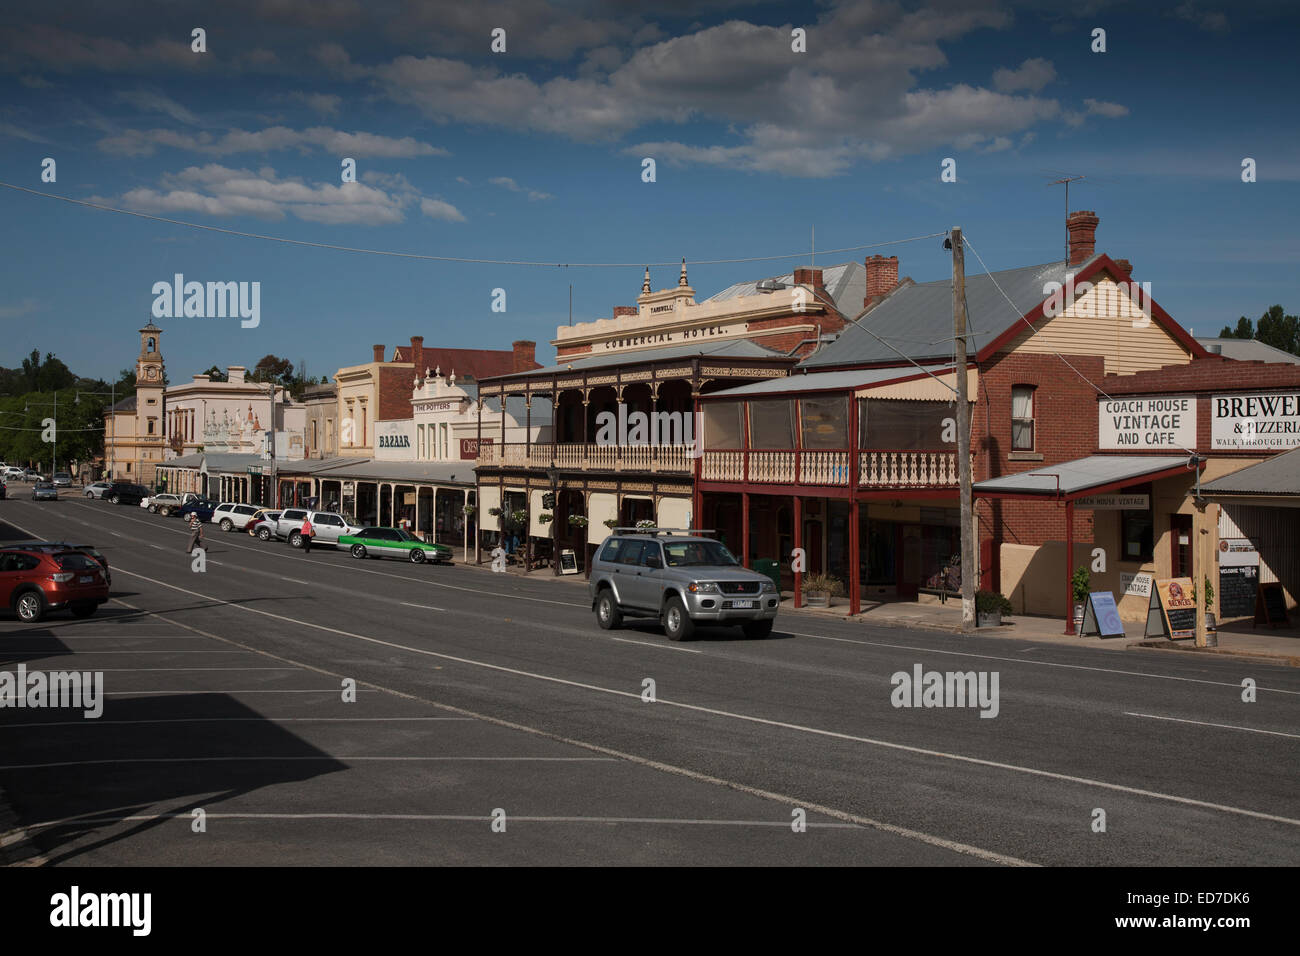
703,587
768,587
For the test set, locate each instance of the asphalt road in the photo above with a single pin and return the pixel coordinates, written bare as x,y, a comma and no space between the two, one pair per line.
482,694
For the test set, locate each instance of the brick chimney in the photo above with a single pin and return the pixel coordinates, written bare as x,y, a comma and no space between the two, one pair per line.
622,310
1125,266
379,353
882,278
525,352
417,354
1082,226
809,277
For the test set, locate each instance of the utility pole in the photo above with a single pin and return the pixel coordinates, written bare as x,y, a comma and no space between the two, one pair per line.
963,435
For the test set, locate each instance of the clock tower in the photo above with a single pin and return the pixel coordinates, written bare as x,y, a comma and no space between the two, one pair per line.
149,416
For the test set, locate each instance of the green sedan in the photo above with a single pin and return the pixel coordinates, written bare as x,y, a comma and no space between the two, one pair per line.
393,543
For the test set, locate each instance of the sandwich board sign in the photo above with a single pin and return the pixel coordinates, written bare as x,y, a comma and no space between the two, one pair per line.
1172,611
568,562
1101,616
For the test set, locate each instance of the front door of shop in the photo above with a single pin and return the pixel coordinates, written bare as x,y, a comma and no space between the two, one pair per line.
1180,534
909,571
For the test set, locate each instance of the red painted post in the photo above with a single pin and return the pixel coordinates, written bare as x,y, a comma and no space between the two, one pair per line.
855,578
744,529
798,543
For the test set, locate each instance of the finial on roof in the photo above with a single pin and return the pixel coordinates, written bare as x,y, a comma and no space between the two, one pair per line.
427,373
438,371
681,280
645,283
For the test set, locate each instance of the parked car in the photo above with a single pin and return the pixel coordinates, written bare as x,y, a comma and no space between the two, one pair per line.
200,506
164,504
262,524
13,472
31,474
45,491
327,526
393,543
230,515
4,491
34,582
62,479
57,546
97,489
125,493
683,580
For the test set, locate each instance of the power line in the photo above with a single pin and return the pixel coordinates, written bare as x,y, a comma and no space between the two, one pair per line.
464,259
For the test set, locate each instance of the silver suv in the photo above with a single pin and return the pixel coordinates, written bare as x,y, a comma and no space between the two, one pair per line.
681,579
327,526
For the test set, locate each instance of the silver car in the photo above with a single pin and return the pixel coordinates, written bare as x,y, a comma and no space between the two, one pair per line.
327,527
45,491
97,489
683,580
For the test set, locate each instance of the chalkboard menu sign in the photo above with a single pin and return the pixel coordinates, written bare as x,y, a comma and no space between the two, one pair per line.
568,562
1270,605
1173,608
1237,590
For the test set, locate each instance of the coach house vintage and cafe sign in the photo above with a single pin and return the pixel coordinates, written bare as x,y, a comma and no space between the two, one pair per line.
1166,423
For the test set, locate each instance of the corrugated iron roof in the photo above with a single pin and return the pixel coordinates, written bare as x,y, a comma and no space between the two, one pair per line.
1248,350
817,381
1279,475
845,283
917,318
730,348
1081,474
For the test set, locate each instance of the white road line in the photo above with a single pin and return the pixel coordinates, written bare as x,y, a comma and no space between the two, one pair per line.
433,818
160,693
140,670
426,607
662,647
100,722
684,772
1021,660
39,655
398,577
321,758
943,755
1202,723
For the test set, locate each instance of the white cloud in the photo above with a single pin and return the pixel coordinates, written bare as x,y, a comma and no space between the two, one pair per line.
1093,107
149,102
1032,75
135,142
505,182
18,309
1209,20
326,104
217,190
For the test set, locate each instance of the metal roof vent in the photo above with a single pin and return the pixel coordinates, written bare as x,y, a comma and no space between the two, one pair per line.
1214,348
770,285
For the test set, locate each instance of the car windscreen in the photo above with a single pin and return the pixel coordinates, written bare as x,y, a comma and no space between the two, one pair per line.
685,554
72,561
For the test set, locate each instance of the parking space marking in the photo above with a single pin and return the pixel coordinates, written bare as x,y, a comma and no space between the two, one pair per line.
1019,660
784,725
1202,723
439,817
317,758
100,722
426,607
665,647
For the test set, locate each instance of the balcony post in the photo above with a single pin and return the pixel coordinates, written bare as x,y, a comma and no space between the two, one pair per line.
744,529
855,577
798,543
853,452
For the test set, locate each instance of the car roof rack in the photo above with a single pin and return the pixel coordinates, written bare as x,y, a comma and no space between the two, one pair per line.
668,531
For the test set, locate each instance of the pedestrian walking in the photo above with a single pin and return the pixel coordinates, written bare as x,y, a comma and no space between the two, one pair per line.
196,532
306,532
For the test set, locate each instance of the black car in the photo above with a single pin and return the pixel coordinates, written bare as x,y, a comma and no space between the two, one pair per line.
125,493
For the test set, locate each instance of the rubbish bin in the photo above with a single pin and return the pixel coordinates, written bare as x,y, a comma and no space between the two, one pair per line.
770,568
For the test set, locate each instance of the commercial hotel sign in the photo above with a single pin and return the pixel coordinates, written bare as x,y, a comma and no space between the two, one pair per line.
675,336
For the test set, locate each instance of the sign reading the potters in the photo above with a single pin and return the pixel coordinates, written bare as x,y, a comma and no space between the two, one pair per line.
1143,423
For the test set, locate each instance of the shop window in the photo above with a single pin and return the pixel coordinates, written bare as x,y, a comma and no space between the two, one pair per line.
1136,535
895,425
1022,418
723,426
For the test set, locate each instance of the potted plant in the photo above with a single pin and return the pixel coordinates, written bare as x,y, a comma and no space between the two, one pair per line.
517,518
989,608
545,517
610,523
495,512
818,589
644,523
468,511
578,521
1080,584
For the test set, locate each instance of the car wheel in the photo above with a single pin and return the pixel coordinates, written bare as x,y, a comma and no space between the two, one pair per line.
677,623
417,556
756,630
89,494
29,606
264,534
84,608
295,539
116,499
227,524
608,616
153,509
164,511
358,551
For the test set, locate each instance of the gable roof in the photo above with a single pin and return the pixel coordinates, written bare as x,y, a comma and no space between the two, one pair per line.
1247,350
916,318
846,284
1279,475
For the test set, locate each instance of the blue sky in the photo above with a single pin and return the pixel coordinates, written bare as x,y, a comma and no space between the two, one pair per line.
535,154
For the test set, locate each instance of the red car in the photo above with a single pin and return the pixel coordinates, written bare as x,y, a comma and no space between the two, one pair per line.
33,582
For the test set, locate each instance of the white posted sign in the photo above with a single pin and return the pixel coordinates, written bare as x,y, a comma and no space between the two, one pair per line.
1263,420
1146,423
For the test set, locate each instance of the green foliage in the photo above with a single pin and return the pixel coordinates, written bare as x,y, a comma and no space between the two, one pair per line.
987,602
215,374
1079,582
78,428
1274,328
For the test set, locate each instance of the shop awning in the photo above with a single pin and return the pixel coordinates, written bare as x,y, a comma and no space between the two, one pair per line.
1083,476
1274,482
